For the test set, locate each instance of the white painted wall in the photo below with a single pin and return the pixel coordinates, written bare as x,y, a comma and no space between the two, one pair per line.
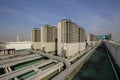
71,48
82,46
114,48
36,45
19,45
49,46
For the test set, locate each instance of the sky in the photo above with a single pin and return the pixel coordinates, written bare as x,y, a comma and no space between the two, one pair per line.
19,17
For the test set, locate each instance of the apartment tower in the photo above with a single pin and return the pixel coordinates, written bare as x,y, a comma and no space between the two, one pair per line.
92,39
69,37
48,36
36,38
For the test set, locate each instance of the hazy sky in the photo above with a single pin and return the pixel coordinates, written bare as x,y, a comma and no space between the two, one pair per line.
19,17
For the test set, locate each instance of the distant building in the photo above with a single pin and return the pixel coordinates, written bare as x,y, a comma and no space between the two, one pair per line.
67,40
69,37
44,39
92,39
82,37
104,37
48,36
36,38
17,39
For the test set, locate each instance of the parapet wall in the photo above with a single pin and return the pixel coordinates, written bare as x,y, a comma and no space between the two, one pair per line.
114,48
19,45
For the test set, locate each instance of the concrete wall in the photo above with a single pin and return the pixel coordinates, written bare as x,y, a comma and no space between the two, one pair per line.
60,45
48,46
114,48
59,49
82,46
71,48
19,45
36,45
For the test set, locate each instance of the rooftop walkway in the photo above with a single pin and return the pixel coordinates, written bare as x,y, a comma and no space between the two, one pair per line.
98,67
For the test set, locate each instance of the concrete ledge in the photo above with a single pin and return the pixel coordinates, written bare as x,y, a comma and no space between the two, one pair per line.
114,49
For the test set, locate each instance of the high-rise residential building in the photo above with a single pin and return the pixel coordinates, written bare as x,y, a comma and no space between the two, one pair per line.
92,39
82,37
66,40
48,36
69,37
36,38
